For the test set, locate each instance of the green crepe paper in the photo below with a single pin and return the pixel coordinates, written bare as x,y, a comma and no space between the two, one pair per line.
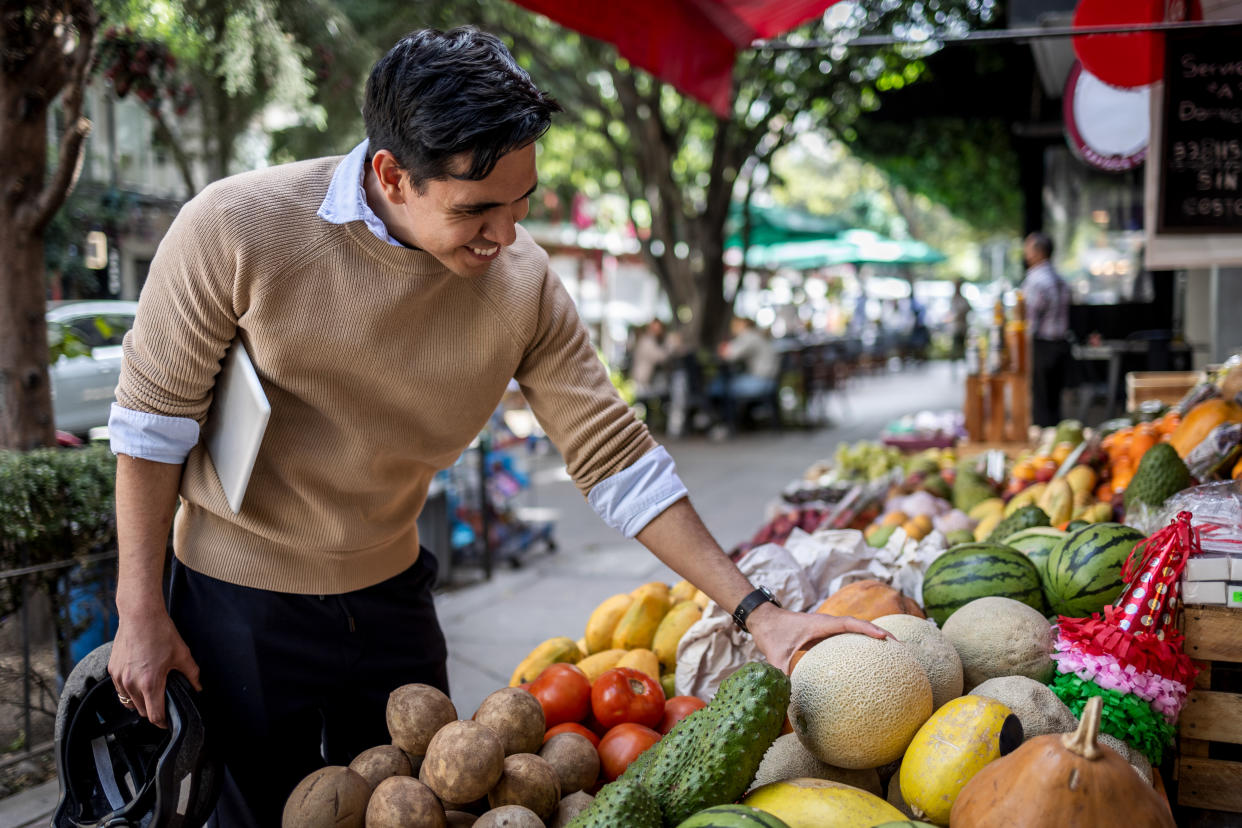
1123,715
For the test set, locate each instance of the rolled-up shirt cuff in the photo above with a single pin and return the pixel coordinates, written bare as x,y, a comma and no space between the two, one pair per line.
633,497
152,437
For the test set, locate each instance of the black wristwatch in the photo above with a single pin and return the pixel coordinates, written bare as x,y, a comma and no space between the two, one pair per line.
759,596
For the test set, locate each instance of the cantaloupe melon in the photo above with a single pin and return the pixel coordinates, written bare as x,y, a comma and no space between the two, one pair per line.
856,701
1000,637
1130,753
934,652
1034,703
788,759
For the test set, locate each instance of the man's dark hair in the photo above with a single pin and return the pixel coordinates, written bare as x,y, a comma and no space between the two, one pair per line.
1042,243
437,95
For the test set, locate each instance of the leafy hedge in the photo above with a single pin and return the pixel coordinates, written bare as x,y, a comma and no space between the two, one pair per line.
55,505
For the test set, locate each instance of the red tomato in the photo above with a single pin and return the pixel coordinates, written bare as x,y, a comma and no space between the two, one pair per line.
678,708
564,693
572,727
594,726
624,694
622,745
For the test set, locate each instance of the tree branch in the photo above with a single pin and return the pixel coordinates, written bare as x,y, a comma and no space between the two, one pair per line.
69,158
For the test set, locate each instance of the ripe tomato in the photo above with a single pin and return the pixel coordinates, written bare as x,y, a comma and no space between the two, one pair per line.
572,727
678,708
624,694
622,745
564,693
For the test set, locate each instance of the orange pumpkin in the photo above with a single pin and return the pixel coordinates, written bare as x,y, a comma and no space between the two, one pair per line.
1199,422
869,600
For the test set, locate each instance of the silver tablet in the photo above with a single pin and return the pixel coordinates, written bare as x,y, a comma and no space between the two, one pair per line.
236,422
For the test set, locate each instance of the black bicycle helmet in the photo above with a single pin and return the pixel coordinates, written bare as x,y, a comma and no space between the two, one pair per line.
117,770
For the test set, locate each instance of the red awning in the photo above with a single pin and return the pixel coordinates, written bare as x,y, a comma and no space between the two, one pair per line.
690,44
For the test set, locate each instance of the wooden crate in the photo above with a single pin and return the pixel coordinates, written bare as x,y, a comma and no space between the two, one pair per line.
1166,386
1211,721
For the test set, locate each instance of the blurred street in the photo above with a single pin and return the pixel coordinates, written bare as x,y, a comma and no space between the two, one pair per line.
492,625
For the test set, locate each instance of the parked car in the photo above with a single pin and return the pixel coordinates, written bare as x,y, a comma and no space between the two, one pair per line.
84,340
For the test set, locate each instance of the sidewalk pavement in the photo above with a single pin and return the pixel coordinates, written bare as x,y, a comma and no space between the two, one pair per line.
492,625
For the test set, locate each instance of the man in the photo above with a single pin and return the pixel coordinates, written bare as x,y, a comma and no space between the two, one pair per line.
386,299
1047,316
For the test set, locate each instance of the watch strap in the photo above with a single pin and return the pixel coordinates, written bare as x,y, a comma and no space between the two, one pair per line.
761,595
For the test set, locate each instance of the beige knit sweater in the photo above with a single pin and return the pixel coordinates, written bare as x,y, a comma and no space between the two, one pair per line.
380,365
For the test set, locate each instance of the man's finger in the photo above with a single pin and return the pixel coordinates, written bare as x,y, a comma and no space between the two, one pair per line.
865,627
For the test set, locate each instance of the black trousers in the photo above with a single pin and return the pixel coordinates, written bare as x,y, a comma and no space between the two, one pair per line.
294,682
1050,365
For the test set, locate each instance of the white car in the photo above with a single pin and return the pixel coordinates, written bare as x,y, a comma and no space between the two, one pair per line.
84,379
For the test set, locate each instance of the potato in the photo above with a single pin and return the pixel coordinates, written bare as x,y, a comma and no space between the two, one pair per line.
415,712
378,763
527,780
459,819
509,816
331,797
569,807
517,718
401,801
464,761
574,759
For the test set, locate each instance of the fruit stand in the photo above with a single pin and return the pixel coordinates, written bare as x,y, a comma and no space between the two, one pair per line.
1041,670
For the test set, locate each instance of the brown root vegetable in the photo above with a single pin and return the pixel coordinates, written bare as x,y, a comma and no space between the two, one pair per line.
464,761
378,763
528,780
509,816
569,807
331,797
401,801
415,712
1063,780
517,718
460,819
574,759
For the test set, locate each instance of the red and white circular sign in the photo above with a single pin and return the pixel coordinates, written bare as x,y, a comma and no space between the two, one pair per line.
1107,127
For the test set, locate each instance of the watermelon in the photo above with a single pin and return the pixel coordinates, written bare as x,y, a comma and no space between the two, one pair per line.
1036,543
979,570
732,816
1084,571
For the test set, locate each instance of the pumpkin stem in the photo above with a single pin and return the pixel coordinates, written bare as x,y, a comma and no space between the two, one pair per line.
1083,740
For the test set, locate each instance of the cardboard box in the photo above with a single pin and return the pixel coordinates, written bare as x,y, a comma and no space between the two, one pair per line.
1235,569
1207,568
1204,592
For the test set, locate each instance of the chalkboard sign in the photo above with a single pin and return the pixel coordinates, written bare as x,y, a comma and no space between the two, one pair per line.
1201,149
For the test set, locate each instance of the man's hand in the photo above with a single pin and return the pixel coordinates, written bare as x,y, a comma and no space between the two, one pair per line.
781,633
147,646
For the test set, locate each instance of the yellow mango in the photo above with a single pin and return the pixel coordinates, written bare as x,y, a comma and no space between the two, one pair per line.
1081,479
984,509
1026,497
673,626
596,665
819,803
1098,513
553,651
655,587
683,590
1057,502
642,660
700,598
637,628
603,621
986,525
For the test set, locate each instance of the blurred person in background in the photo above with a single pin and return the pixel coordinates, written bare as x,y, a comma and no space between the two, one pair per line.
958,323
647,357
753,369
1047,317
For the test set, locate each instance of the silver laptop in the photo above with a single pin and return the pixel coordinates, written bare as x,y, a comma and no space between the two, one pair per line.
236,422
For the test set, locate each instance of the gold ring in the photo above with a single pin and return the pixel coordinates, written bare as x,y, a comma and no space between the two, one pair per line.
124,699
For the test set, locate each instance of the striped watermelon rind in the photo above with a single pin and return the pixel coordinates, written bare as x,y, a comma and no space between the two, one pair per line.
979,570
732,816
1037,544
1083,573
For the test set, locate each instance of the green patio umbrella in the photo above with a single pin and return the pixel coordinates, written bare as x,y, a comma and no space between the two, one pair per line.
850,247
777,225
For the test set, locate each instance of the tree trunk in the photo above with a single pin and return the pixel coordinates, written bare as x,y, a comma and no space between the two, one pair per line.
25,395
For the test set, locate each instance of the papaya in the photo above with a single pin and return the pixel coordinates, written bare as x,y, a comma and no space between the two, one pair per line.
553,651
1082,479
1057,501
603,621
657,587
1200,421
700,598
596,664
679,618
642,660
1027,497
637,628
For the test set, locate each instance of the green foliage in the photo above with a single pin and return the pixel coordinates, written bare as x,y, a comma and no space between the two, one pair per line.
55,505
63,253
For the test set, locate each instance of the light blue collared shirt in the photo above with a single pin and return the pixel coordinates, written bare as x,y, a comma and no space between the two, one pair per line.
627,501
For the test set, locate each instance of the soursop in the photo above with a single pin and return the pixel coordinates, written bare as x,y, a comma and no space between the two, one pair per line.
1160,475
